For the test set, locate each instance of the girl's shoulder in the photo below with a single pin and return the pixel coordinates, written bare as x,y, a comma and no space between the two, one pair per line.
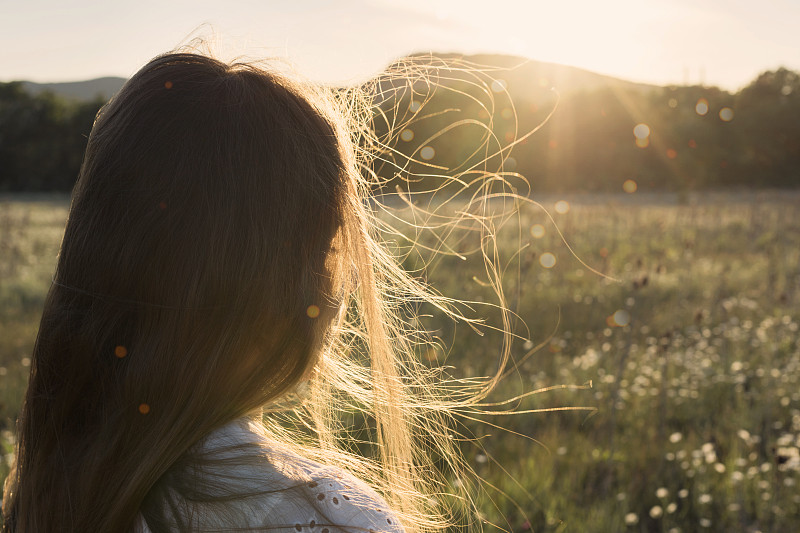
283,491
316,498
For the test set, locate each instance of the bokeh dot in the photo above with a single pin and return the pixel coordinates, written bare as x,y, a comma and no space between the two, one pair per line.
726,114
641,131
499,85
407,135
562,207
537,231
427,153
629,186
622,318
547,260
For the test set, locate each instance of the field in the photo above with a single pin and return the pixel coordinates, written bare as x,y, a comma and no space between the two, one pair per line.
689,341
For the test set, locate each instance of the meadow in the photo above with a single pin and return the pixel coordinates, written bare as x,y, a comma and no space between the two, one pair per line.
684,354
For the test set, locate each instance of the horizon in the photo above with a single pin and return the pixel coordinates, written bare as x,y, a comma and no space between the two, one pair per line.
721,43
471,55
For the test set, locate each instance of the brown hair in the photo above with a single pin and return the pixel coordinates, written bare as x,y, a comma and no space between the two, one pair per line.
219,251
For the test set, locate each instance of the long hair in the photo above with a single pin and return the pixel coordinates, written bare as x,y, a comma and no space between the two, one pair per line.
219,252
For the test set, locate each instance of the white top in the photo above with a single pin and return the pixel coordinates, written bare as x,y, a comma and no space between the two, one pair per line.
300,496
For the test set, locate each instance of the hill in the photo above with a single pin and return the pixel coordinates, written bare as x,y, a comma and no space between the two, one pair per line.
82,91
516,70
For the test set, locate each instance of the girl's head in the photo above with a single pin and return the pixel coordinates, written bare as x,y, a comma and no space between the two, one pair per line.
218,201
210,243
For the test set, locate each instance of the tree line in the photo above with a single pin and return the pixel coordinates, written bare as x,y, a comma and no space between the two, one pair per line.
689,137
665,138
42,139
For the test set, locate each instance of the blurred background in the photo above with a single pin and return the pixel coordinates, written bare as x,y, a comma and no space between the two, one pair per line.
657,144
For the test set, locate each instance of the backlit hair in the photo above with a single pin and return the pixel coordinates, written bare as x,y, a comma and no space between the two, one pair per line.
220,253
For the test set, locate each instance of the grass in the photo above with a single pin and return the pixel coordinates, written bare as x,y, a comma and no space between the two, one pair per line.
693,358
30,234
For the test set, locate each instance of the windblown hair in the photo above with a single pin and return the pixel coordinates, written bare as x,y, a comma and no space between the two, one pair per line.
220,252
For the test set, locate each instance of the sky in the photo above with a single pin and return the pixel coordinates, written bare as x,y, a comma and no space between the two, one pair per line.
714,42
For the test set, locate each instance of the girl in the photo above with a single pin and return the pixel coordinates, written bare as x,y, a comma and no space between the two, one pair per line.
219,258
